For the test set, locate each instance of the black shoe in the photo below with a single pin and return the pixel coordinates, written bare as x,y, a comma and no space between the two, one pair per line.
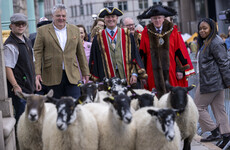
215,136
211,138
226,139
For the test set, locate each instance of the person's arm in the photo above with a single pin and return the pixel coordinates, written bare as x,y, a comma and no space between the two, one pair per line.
12,80
38,53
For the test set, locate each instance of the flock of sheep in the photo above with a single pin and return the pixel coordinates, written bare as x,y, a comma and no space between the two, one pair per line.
109,116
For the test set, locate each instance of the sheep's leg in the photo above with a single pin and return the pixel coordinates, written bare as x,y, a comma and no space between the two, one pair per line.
187,144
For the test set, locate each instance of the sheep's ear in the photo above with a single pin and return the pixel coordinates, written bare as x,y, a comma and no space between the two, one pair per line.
22,95
123,81
80,100
168,86
50,93
52,100
152,112
109,99
80,83
191,87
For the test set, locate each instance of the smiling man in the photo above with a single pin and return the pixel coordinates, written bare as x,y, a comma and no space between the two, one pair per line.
56,47
114,53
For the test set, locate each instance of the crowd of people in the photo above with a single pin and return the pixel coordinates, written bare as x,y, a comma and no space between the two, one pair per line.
62,54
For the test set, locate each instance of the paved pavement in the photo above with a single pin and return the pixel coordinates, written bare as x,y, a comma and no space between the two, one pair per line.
197,145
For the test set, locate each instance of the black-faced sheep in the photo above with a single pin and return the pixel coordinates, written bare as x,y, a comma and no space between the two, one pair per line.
74,128
30,124
187,121
116,128
156,129
142,98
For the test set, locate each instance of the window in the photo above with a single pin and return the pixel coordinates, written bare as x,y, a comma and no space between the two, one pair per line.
123,6
87,9
91,8
75,9
81,10
108,4
72,12
143,4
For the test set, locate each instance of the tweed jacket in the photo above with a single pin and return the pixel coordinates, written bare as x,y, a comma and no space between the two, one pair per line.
214,67
49,56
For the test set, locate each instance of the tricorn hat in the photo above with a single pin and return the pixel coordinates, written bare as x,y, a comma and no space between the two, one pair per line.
157,10
110,11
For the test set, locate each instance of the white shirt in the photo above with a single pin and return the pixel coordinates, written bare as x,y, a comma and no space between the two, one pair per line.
62,36
159,28
11,53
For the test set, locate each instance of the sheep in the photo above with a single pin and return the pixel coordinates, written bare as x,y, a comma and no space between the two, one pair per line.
142,98
116,128
74,128
187,121
30,124
156,129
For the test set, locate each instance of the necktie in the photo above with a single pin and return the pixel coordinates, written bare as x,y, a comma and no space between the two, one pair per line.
112,33
112,41
158,31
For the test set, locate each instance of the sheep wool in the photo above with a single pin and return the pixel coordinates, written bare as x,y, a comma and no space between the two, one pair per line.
30,133
114,134
148,136
82,134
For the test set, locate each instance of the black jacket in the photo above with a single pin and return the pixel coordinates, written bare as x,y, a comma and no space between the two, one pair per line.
214,68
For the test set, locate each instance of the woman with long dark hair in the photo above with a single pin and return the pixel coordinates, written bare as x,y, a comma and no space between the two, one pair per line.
214,77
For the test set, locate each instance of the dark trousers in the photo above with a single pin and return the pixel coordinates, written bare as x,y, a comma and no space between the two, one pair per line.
19,105
65,88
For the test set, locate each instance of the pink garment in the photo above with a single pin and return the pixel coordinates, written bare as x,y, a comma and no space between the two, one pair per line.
87,47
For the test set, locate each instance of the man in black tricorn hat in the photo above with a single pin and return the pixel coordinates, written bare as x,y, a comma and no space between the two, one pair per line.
164,49
113,51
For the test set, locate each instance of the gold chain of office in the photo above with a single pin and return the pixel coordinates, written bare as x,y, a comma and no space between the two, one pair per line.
160,35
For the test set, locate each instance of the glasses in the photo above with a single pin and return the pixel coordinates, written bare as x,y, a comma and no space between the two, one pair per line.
18,24
130,25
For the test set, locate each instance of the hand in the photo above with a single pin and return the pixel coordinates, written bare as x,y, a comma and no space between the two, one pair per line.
133,80
179,75
37,83
17,88
85,79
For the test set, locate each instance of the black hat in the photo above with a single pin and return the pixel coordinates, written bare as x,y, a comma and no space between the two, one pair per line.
156,10
110,11
41,23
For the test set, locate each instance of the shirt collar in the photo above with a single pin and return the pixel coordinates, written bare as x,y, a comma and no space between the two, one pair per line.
114,30
159,28
55,28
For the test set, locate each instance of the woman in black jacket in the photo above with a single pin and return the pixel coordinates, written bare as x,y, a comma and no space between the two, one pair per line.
214,77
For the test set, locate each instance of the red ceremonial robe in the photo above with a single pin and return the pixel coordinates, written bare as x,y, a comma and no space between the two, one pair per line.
162,60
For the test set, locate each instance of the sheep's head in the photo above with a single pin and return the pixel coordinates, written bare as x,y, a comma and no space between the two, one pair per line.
66,111
34,104
178,96
121,104
88,92
165,119
116,86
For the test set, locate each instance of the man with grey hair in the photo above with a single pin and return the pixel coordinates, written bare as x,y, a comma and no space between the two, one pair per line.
19,62
57,48
128,22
